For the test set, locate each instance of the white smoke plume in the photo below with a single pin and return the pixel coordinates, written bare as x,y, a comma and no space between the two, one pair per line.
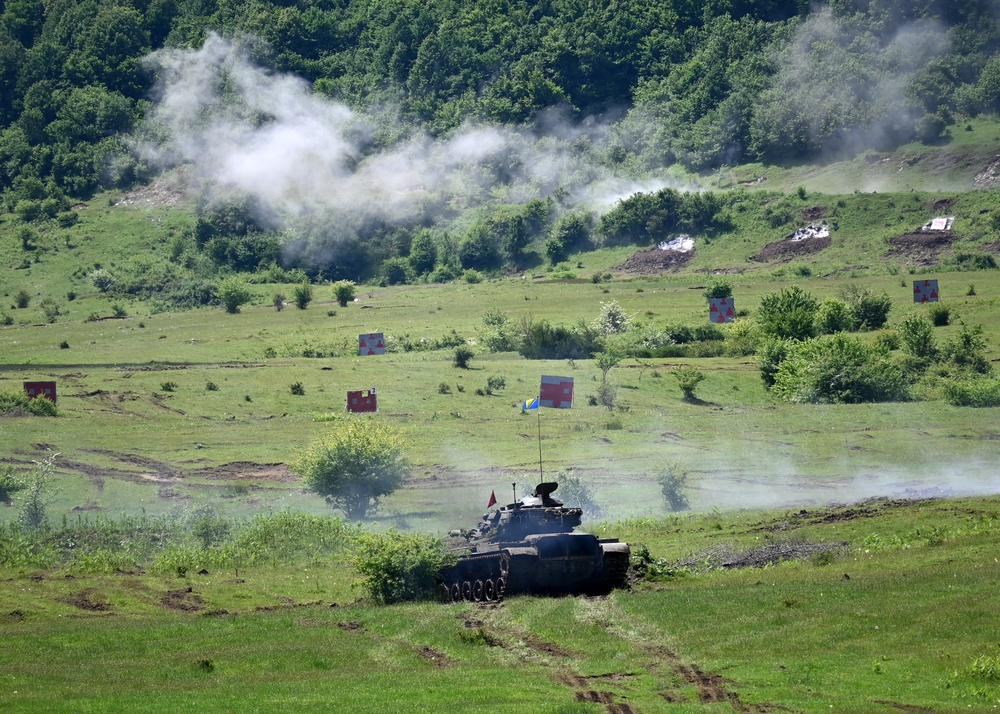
239,128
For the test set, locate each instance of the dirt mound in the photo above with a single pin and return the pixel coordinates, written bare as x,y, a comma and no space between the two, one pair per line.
85,600
921,247
783,251
654,261
182,600
725,557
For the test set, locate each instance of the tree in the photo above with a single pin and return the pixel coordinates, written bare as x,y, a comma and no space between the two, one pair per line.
673,480
343,291
354,466
423,253
234,292
37,494
606,361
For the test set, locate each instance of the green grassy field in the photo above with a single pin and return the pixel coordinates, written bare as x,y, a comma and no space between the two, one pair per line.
900,620
165,412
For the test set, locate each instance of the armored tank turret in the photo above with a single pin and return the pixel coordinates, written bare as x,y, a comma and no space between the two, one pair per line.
529,547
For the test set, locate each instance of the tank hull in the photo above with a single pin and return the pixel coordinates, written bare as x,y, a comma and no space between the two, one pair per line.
550,564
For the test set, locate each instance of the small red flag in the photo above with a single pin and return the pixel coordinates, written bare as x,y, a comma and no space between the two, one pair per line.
493,499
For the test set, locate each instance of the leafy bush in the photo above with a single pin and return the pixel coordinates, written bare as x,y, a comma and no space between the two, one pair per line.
789,314
612,320
743,337
838,369
540,340
302,295
50,308
472,276
102,280
939,314
972,392
833,316
966,350
718,288
688,379
396,271
344,291
22,299
10,484
463,355
355,465
870,310
278,301
400,567
607,395
917,336
497,333
233,292
495,383
771,354
19,401
297,389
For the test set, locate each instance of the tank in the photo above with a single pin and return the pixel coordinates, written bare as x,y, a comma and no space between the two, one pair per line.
530,547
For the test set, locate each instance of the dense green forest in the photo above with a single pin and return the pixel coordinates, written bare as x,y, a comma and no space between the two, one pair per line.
104,93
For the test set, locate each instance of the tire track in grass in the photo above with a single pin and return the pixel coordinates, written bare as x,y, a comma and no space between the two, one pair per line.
549,655
711,688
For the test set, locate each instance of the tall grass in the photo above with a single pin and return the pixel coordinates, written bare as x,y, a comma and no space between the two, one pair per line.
191,540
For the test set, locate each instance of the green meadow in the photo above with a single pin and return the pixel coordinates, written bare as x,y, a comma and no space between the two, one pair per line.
172,418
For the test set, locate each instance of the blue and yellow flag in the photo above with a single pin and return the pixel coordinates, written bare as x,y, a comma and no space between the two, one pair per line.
528,406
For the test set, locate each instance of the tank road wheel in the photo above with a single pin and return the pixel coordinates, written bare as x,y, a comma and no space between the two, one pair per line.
501,587
477,591
467,591
490,590
505,565
456,591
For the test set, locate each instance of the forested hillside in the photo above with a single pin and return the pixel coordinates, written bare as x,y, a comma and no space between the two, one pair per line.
465,128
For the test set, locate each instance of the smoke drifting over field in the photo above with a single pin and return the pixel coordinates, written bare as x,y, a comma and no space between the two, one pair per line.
840,90
239,128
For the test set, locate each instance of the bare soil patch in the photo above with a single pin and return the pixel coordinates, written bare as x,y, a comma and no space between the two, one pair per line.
85,600
237,470
351,626
548,648
439,659
814,213
654,261
166,474
921,247
903,707
184,600
784,251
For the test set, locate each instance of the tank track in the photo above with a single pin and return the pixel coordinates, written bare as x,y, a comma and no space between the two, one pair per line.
481,577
